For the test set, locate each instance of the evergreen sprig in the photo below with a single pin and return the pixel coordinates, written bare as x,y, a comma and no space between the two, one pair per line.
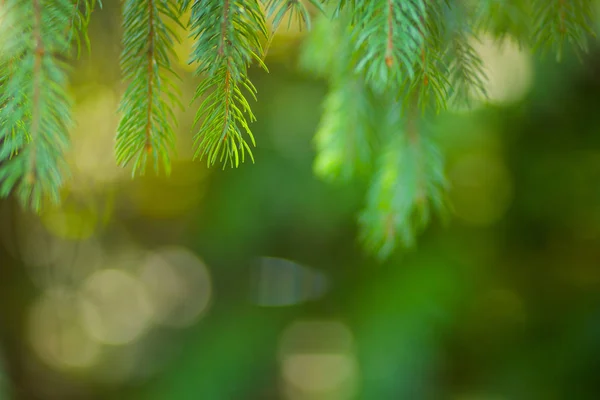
408,186
388,38
223,50
145,132
345,134
562,22
35,117
466,74
429,84
503,19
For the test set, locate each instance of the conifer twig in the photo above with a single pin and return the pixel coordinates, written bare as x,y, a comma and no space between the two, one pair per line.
36,110
145,132
223,52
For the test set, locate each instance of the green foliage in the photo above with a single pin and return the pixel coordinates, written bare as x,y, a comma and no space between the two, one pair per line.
561,22
344,143
409,183
223,51
35,116
388,38
466,75
392,66
343,138
504,18
145,131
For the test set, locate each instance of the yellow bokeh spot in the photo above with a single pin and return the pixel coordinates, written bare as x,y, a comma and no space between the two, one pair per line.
115,307
56,334
508,68
178,284
93,139
318,362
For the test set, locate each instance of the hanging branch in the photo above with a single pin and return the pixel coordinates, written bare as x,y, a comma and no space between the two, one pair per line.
430,85
387,40
344,136
409,183
559,23
145,132
410,178
36,113
466,75
223,51
503,19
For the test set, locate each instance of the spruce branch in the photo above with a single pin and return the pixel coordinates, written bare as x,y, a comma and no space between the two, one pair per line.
430,85
343,139
11,142
388,40
504,18
36,114
408,186
466,74
223,52
145,132
560,23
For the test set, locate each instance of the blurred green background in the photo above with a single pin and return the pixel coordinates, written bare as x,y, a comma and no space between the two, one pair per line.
251,284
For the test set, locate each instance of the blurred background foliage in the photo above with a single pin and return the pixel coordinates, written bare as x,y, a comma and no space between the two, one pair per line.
250,284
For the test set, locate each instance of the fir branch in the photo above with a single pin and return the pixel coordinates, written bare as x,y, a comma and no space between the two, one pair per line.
145,132
430,86
503,19
560,23
10,50
467,77
408,185
223,51
388,39
343,138
36,104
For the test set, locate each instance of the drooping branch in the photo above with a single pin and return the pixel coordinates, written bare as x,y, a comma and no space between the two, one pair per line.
145,132
223,52
36,112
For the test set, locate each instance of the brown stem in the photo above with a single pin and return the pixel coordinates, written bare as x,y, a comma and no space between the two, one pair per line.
390,44
148,144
